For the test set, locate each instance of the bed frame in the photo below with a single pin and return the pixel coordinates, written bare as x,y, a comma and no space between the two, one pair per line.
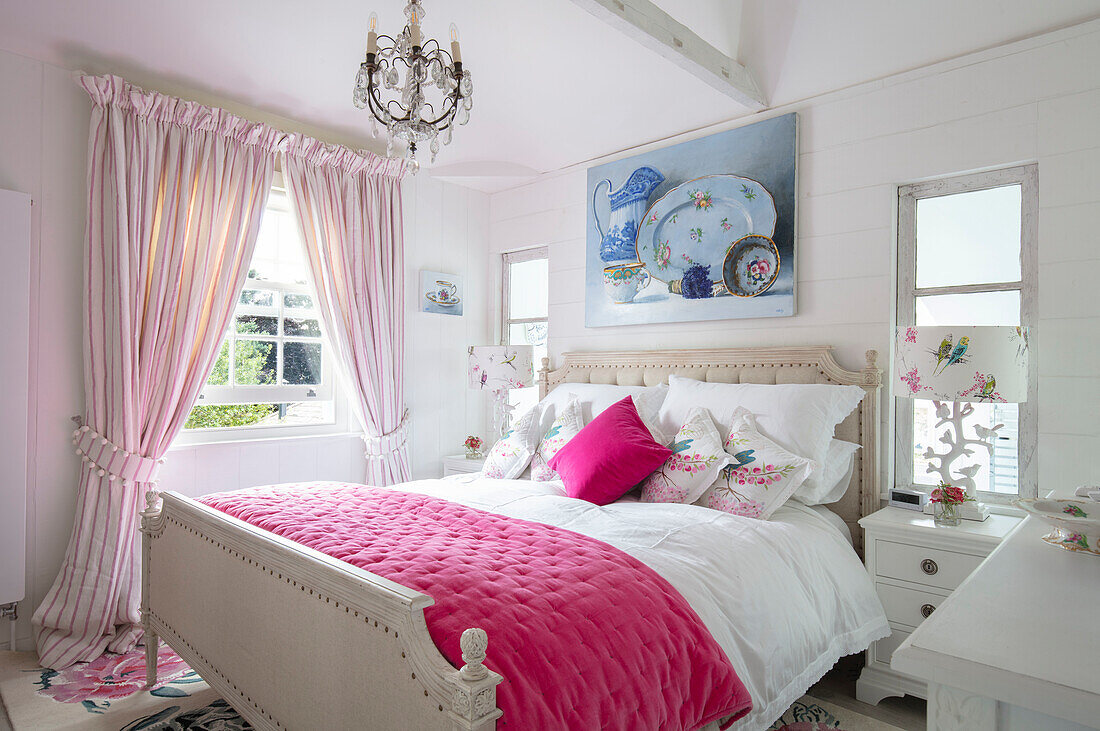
294,639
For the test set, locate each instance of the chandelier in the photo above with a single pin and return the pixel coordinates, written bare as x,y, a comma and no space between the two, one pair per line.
397,78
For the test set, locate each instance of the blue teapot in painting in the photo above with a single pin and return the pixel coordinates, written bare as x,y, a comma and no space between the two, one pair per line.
628,206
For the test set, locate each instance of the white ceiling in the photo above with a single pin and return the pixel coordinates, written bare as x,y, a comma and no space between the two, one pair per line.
554,86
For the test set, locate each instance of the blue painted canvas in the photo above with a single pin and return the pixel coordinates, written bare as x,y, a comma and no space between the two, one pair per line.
441,293
702,230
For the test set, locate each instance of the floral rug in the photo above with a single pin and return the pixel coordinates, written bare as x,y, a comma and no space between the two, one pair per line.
109,693
811,714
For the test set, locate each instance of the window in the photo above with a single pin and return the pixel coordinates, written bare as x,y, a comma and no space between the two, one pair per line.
526,312
273,368
966,256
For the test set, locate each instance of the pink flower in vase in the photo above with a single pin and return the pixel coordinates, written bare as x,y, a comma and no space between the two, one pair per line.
910,335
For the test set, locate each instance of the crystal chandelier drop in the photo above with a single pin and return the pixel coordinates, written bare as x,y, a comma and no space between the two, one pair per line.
398,74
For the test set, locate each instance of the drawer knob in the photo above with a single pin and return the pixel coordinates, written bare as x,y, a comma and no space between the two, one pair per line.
926,610
929,566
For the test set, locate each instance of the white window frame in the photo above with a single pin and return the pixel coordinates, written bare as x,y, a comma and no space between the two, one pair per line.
276,393
1026,176
508,259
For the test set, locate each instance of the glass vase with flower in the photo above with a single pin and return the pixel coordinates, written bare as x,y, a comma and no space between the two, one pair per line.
473,447
947,503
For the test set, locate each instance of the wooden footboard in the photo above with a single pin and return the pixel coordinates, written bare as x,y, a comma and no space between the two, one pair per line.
294,639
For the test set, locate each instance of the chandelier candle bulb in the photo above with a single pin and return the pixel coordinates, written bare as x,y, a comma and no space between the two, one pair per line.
372,35
414,30
456,53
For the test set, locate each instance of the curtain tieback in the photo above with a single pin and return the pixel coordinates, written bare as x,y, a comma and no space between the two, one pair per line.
381,446
112,461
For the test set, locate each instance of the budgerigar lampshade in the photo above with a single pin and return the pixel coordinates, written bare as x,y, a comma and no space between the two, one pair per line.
986,364
501,367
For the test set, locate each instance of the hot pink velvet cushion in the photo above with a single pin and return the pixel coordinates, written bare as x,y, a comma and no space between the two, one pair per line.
609,456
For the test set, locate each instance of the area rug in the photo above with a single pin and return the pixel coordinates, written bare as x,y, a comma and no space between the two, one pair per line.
812,714
109,693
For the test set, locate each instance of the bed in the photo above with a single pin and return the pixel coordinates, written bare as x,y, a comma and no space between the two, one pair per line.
293,638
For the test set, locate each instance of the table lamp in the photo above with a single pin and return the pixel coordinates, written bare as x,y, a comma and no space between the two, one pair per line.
498,369
956,367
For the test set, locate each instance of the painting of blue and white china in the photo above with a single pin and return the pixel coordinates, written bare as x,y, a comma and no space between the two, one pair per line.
440,293
702,230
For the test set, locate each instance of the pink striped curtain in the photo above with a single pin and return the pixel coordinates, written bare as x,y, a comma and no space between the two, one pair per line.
349,210
175,195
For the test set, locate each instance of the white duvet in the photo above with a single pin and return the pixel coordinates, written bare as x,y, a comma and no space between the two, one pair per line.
785,598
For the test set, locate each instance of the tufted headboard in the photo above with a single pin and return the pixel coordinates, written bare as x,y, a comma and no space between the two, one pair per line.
812,364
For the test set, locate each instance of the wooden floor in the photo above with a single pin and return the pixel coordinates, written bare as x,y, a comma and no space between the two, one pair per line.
839,687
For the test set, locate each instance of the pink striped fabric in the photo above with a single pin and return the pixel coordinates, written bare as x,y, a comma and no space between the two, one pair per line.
349,211
175,195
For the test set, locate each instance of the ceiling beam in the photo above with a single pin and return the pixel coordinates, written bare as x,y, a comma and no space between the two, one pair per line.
658,31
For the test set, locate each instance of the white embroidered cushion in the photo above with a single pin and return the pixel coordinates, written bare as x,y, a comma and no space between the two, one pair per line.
760,476
566,426
800,417
697,457
510,455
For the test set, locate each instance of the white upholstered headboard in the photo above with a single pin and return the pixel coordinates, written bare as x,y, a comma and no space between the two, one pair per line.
812,364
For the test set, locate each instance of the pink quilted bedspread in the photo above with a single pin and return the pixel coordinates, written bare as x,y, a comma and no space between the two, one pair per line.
585,636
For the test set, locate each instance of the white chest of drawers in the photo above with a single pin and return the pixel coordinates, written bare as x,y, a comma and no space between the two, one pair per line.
915,565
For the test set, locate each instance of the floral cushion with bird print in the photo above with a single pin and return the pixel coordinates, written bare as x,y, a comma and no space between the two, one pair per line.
697,457
760,475
566,425
511,454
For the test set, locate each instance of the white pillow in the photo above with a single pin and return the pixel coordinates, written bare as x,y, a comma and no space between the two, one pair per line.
832,483
760,476
596,397
800,417
510,455
566,426
698,455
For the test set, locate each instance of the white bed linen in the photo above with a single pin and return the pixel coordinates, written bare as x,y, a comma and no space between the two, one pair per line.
785,598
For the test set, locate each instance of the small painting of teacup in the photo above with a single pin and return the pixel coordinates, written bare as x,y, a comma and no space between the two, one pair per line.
622,282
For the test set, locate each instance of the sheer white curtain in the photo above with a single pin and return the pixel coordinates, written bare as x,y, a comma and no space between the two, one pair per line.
175,195
348,206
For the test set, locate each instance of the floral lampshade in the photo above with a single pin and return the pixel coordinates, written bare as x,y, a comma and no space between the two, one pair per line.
501,367
983,364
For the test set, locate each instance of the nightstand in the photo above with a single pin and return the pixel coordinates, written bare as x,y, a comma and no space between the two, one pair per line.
915,565
458,464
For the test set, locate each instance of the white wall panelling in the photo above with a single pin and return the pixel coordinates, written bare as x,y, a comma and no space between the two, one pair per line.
43,152
1035,100
446,228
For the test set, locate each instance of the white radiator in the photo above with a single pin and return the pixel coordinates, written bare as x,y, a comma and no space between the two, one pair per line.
15,276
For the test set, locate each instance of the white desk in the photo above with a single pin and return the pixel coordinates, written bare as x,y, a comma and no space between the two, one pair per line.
1017,645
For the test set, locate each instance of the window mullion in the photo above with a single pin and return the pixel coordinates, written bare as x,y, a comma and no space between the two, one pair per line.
968,289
